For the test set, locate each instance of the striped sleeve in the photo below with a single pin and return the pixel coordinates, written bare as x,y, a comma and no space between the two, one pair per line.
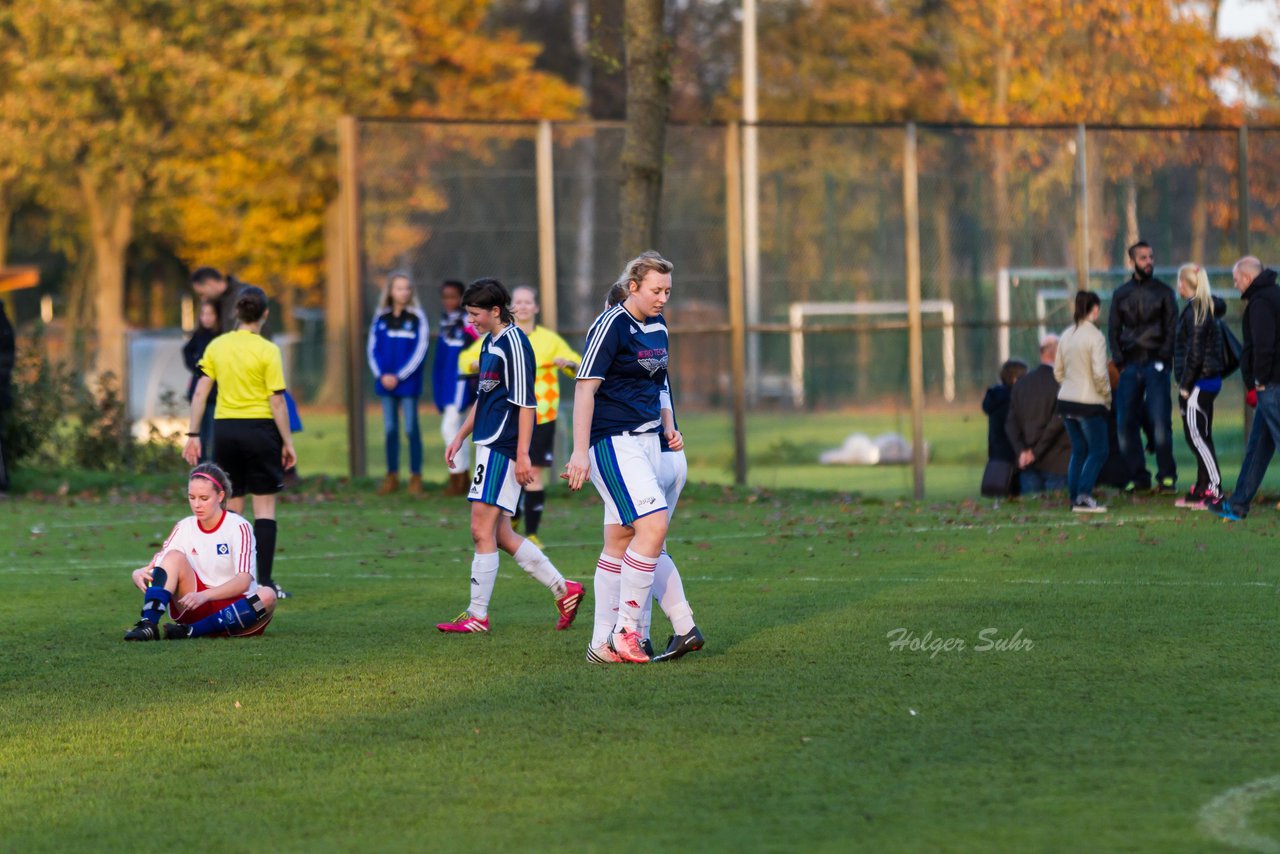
246,552
602,346
420,348
371,348
519,367
173,535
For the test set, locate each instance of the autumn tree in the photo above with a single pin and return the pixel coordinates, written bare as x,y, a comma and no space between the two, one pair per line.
648,103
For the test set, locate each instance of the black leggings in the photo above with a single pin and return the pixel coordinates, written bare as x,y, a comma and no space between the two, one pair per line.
1197,426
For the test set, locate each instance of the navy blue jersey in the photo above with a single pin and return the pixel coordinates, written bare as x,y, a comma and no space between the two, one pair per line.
630,358
505,387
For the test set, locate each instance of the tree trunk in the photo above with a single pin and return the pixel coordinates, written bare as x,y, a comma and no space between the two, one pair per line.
648,102
110,207
332,391
6,220
1132,234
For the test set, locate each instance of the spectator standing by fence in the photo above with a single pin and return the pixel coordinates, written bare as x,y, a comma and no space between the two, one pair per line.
1199,363
1260,369
397,350
1035,429
453,393
1141,329
1084,400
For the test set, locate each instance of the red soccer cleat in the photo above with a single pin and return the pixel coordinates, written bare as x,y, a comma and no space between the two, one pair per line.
568,604
629,646
465,624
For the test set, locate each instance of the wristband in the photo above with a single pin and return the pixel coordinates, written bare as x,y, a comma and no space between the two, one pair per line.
193,435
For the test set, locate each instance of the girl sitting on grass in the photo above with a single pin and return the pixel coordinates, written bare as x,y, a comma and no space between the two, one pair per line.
206,571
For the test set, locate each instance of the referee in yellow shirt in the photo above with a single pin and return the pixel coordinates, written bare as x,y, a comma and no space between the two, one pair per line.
251,439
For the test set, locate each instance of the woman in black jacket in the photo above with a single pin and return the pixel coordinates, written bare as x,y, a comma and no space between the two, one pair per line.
1198,366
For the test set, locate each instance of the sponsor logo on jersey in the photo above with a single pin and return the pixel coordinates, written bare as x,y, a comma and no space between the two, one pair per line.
652,360
224,549
490,380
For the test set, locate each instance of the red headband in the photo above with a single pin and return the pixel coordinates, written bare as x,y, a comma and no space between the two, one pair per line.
209,478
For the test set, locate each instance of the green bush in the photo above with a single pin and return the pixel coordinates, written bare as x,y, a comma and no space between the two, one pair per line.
60,422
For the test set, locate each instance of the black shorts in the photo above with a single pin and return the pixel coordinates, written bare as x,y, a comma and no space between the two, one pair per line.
542,445
248,450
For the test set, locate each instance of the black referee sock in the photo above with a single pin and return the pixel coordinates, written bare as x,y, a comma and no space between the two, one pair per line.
533,502
264,531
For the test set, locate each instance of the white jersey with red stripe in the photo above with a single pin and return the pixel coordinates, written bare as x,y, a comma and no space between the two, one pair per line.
218,554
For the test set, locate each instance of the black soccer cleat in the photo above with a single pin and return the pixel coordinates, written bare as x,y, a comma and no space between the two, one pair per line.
648,647
176,631
680,645
143,630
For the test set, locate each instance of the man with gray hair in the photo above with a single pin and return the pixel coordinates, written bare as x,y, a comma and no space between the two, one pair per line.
1260,369
1035,428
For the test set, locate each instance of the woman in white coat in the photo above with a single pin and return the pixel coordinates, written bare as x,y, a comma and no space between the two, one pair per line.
1084,401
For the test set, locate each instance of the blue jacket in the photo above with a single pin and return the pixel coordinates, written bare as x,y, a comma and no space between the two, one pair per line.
398,345
446,387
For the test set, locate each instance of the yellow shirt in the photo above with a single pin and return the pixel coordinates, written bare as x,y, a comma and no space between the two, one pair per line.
547,347
248,370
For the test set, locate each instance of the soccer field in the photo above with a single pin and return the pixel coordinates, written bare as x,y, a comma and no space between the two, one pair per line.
1133,695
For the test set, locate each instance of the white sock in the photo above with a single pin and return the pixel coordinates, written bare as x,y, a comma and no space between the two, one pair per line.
668,589
607,583
637,582
484,571
534,562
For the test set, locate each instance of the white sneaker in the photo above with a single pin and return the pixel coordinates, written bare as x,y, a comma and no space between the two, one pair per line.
1086,504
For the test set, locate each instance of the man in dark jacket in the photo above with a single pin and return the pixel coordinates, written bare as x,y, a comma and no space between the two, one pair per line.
223,291
1260,370
1035,429
1140,331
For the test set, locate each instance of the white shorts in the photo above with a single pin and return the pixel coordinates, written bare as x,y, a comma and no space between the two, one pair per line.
673,472
495,481
625,470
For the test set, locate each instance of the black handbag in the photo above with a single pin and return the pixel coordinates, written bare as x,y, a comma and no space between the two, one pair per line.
1231,349
997,478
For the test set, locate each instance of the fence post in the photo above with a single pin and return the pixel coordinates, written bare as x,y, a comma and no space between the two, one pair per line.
1242,227
737,320
349,216
915,330
547,294
1082,211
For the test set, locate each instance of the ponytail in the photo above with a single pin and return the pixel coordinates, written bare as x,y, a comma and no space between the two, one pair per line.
1086,301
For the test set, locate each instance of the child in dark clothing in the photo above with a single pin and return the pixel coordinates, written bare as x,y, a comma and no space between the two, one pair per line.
996,405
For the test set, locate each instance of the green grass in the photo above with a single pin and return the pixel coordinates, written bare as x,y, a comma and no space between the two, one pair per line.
353,725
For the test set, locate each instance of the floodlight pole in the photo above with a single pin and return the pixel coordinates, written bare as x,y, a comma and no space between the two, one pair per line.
1082,211
1242,227
751,192
349,230
738,333
915,329
547,294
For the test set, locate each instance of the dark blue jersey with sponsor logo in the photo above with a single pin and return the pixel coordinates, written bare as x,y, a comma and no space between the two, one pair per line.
630,358
505,386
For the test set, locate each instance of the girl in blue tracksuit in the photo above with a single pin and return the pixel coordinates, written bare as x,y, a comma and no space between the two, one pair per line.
397,355
453,392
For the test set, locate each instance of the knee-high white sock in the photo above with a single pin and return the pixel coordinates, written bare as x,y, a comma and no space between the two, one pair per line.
608,581
534,562
484,571
668,589
637,582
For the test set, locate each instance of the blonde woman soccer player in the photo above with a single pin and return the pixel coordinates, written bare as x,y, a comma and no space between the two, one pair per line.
501,425
616,423
668,588
205,574
551,355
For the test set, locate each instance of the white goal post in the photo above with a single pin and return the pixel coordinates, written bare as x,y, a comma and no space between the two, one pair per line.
799,311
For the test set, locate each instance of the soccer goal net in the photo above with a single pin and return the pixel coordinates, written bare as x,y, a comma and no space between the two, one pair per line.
801,312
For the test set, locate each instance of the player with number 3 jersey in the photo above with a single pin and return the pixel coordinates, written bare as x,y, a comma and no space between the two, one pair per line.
501,426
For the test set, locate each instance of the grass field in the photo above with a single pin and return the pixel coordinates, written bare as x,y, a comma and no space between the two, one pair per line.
1141,690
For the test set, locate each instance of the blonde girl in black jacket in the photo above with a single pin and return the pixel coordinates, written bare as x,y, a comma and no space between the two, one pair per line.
1198,366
